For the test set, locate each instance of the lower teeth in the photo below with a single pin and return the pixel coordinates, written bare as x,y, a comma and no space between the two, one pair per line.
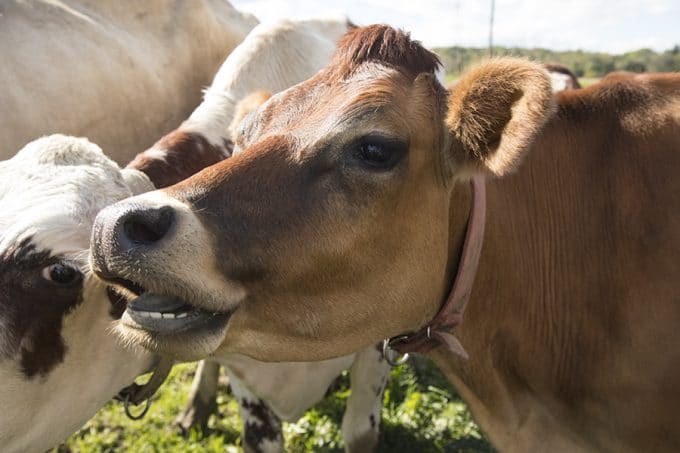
159,315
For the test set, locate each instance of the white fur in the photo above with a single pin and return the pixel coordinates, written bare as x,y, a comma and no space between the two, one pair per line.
273,57
52,190
120,73
308,383
559,81
289,402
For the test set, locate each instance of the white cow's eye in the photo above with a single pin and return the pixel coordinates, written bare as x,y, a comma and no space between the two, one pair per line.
62,274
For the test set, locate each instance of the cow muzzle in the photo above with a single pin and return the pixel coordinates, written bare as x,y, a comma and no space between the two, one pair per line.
153,247
128,229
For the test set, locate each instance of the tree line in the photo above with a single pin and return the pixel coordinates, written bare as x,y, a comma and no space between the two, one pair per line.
583,64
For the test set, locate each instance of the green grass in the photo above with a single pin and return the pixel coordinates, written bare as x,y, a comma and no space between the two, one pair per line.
421,413
587,81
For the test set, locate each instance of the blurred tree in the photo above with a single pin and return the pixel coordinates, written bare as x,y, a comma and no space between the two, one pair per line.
583,64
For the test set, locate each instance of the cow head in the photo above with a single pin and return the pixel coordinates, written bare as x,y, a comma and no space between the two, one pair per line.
58,362
338,220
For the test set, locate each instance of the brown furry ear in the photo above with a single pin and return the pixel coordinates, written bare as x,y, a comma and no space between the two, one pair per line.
495,112
245,106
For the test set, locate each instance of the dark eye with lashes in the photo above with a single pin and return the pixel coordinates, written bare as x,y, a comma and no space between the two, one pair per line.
62,273
378,152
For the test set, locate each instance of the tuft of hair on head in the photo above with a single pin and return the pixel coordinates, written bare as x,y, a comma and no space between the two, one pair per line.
382,44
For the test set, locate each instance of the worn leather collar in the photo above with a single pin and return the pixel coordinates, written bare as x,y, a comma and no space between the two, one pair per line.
439,330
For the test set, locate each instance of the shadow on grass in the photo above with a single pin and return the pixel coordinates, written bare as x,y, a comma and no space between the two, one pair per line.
396,439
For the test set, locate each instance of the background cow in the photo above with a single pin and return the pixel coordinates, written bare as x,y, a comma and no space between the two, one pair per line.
571,326
96,69
58,361
561,77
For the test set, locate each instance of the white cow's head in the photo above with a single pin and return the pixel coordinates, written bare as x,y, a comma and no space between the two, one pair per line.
58,362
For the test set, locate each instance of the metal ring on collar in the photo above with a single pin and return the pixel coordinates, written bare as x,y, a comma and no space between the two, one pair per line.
126,404
389,353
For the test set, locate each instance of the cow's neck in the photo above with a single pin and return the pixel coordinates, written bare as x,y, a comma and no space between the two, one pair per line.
459,214
520,330
476,334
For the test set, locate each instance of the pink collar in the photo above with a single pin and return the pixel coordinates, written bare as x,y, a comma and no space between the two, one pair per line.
451,312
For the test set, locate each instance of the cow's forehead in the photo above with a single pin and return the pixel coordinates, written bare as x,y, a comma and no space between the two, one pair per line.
52,190
312,110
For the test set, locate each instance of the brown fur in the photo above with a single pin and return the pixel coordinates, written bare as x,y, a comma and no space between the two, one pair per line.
382,44
572,322
246,106
576,239
35,321
177,156
489,110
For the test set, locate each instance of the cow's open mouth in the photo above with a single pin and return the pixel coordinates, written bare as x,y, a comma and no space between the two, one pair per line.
161,314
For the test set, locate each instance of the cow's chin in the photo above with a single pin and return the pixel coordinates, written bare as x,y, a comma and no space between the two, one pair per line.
172,325
169,326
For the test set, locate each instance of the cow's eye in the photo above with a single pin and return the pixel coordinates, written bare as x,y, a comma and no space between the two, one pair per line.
379,152
62,274
374,153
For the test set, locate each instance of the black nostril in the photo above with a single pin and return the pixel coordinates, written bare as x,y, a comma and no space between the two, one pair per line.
149,225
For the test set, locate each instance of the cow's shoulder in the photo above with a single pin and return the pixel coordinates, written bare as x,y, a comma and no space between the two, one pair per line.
656,94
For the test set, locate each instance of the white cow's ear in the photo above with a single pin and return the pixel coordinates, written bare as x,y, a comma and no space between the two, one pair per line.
137,181
495,111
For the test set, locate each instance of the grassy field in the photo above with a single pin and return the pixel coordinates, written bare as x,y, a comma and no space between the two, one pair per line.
421,413
587,81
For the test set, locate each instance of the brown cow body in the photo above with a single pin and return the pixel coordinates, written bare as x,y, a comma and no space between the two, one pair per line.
571,328
342,220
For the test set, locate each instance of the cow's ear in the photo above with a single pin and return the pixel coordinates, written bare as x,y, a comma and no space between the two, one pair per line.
137,181
495,111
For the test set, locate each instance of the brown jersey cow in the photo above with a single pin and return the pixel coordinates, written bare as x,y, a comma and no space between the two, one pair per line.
340,220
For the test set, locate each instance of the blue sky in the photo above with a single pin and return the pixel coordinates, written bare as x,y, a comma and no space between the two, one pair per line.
600,25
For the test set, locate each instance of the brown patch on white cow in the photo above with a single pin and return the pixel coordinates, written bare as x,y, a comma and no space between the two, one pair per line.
33,308
177,156
262,425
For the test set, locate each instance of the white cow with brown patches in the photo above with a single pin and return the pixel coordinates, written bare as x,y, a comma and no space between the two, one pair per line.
58,362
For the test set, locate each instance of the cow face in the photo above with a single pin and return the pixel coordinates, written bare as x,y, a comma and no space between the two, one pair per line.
54,317
334,224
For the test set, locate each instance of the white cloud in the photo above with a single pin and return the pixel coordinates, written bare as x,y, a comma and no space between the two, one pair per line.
605,25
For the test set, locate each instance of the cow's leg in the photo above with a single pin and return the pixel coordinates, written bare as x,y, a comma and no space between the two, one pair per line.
202,401
261,426
369,375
